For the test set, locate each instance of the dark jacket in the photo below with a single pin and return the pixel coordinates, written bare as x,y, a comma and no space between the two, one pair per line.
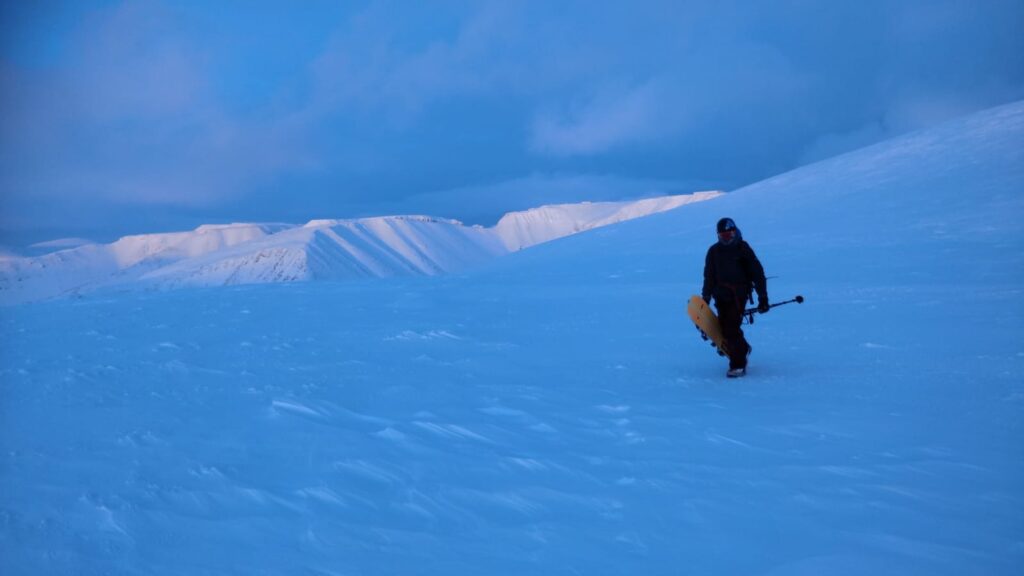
730,271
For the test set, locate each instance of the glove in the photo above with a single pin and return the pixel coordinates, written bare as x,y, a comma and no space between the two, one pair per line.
762,306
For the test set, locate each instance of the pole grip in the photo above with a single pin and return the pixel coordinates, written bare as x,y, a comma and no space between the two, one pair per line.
750,311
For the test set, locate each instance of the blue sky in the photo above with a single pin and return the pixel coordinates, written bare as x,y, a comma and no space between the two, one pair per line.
130,117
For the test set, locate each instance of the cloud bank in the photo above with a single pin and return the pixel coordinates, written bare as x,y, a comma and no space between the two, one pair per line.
132,116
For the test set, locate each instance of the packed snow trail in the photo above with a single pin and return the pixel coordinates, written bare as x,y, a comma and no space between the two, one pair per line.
557,413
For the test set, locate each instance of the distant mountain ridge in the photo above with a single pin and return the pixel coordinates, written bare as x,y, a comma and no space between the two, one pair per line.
339,249
246,253
519,230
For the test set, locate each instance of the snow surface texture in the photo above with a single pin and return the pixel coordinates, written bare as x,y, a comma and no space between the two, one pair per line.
321,250
555,412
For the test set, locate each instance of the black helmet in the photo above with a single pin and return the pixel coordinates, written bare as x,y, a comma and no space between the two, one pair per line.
727,231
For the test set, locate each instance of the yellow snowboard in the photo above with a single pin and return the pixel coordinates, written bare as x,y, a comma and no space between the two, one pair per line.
707,322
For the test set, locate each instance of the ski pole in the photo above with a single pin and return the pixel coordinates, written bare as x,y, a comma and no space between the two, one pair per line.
749,312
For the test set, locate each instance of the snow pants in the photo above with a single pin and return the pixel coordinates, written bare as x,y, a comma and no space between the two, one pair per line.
730,317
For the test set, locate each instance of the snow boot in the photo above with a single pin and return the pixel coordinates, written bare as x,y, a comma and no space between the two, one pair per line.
736,372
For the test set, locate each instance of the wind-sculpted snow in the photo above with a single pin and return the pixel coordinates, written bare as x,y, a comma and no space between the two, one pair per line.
379,247
59,244
555,412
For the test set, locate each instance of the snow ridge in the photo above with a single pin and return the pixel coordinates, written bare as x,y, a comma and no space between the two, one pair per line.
88,267
520,230
339,249
325,249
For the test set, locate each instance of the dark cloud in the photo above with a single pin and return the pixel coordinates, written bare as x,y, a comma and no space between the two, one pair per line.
181,113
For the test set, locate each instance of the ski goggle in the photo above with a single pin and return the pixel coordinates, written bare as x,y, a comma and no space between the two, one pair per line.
727,234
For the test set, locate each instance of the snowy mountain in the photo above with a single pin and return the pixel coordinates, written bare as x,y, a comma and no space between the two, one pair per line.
320,250
128,259
555,412
519,230
341,249
40,248
926,209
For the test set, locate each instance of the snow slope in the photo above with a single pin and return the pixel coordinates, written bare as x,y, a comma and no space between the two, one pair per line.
215,255
340,249
554,412
93,265
519,230
40,248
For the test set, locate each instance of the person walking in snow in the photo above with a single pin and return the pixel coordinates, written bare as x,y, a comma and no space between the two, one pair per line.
731,272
